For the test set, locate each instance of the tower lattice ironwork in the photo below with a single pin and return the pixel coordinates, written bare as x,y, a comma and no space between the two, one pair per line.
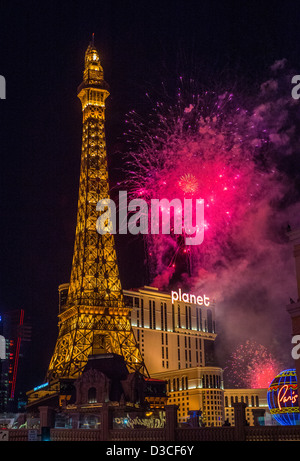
95,318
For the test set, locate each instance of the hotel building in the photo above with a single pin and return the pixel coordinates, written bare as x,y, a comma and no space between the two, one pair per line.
176,339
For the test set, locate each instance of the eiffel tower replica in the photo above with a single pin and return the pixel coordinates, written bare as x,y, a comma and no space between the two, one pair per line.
95,319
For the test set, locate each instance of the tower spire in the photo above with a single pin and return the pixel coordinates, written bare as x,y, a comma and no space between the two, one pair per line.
95,318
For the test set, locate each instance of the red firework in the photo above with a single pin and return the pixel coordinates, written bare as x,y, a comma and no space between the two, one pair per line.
201,154
252,366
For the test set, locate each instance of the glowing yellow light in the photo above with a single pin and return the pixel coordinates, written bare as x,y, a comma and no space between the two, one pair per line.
95,317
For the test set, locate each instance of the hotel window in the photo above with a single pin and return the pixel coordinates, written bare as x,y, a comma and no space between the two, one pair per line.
178,317
142,313
166,317
188,318
209,321
173,317
163,316
152,319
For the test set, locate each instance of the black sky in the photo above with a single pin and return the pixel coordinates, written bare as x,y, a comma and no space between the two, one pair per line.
141,44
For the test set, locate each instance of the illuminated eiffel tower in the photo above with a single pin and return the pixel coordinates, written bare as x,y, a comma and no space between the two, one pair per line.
95,319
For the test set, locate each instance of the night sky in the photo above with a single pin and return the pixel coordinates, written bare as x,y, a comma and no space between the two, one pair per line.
141,45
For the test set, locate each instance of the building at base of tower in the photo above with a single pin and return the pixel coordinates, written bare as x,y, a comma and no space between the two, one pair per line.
104,384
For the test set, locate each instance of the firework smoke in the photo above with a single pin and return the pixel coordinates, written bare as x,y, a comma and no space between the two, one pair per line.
241,159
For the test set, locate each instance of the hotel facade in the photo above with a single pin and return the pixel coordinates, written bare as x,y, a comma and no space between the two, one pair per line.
176,339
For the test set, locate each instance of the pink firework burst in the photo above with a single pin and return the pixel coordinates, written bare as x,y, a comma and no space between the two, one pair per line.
188,183
207,152
252,366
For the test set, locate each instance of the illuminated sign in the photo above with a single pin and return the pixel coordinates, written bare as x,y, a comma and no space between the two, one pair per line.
153,421
190,298
286,396
283,398
40,386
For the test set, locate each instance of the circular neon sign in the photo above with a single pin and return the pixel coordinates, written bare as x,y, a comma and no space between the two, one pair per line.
283,398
